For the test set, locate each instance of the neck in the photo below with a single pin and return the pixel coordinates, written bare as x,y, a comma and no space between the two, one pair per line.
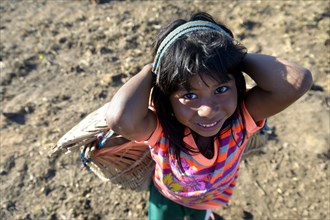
204,144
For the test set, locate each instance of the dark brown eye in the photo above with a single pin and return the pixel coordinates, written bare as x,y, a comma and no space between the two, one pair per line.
190,96
222,89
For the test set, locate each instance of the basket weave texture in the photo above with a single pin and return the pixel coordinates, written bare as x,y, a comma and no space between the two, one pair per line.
129,164
119,161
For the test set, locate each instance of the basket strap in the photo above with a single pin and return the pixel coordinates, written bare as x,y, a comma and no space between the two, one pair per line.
105,138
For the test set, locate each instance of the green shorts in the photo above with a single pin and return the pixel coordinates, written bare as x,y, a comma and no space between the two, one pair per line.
161,208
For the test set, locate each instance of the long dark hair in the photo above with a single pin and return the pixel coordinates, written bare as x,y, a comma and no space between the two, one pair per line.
196,53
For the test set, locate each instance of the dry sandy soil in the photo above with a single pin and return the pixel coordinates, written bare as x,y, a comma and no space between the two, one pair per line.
60,60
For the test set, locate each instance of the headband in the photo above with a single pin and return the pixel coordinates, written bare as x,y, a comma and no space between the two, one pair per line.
180,31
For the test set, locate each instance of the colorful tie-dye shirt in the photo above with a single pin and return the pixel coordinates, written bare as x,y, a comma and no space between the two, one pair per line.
206,183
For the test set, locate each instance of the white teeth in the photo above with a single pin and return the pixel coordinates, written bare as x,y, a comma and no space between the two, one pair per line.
208,125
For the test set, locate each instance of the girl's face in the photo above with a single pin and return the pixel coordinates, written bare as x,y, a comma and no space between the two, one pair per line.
207,105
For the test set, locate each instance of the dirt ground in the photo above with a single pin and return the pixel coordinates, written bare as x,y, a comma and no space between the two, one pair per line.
60,60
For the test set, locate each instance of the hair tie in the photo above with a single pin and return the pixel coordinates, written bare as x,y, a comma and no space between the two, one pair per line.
180,31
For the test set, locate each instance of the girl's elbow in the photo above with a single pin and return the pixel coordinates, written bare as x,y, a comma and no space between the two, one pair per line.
112,120
297,86
115,121
120,123
306,82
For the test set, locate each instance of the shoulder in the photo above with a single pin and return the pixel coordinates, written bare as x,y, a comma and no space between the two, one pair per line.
245,120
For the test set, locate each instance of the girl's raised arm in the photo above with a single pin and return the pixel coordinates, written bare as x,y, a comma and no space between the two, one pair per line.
279,84
128,113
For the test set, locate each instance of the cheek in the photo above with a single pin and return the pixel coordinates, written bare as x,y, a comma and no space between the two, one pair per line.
232,103
229,104
232,107
179,109
181,112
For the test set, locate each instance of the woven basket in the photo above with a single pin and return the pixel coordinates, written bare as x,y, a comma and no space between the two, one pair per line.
119,161
128,164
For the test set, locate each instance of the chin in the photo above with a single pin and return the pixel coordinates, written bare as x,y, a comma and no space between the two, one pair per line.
207,134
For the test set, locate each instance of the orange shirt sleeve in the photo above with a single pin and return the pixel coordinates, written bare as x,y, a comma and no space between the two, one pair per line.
152,140
251,125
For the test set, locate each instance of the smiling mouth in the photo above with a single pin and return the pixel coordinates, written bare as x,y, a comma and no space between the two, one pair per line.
208,125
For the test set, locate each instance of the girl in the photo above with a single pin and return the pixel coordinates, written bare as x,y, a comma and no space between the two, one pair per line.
200,114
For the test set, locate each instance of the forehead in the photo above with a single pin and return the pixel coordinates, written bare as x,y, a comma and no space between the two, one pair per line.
202,81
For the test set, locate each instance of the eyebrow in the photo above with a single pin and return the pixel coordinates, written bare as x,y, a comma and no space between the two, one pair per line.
190,87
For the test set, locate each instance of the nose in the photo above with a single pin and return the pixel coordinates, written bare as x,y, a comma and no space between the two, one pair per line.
207,110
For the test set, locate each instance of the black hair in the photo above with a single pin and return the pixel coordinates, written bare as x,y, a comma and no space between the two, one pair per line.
196,53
